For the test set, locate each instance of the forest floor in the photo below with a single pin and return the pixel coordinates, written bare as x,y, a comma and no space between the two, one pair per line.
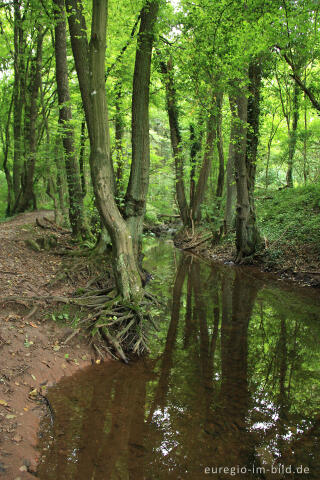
34,350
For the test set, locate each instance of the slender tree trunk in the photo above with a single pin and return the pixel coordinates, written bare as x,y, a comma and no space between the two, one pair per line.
90,66
18,101
274,129
220,181
176,140
61,182
76,212
293,135
6,145
137,190
268,163
27,197
119,131
206,162
230,180
305,141
253,118
195,147
81,158
52,193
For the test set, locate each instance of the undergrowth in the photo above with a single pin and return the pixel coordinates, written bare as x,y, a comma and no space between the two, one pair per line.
290,216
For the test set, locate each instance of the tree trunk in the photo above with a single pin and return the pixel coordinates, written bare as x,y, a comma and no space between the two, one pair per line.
305,142
81,158
206,162
5,138
247,111
293,135
139,174
27,197
220,181
230,180
243,218
61,182
18,101
176,140
76,213
90,66
243,208
195,148
119,130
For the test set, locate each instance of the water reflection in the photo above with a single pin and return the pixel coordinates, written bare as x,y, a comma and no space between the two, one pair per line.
233,382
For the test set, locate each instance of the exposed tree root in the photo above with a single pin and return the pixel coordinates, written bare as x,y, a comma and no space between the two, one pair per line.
188,239
123,326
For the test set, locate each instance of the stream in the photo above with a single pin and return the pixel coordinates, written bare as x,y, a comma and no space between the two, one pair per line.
230,390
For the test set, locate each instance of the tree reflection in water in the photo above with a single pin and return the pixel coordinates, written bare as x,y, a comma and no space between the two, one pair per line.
234,383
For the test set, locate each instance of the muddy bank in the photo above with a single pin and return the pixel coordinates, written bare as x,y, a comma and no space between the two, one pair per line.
35,351
299,263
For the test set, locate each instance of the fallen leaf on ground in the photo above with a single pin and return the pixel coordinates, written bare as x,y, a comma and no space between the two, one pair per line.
3,403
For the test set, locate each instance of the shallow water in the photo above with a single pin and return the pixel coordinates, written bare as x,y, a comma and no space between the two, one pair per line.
231,389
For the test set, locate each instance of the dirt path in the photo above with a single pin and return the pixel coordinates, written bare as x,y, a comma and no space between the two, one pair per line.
32,353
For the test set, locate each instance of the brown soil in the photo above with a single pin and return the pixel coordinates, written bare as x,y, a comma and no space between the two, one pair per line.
32,352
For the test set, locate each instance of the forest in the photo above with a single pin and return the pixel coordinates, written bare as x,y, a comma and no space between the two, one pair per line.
129,125
198,110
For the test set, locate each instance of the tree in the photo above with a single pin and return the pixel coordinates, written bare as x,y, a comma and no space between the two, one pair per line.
245,118
90,66
26,197
190,213
76,212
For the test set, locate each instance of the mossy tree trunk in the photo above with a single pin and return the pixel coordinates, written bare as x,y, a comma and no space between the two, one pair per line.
245,119
136,195
18,97
231,189
76,211
90,66
220,181
195,148
119,132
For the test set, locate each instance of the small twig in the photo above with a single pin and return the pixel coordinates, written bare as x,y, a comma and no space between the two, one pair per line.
193,245
73,334
10,273
32,312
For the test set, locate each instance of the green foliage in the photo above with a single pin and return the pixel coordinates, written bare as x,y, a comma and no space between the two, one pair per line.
66,316
290,216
